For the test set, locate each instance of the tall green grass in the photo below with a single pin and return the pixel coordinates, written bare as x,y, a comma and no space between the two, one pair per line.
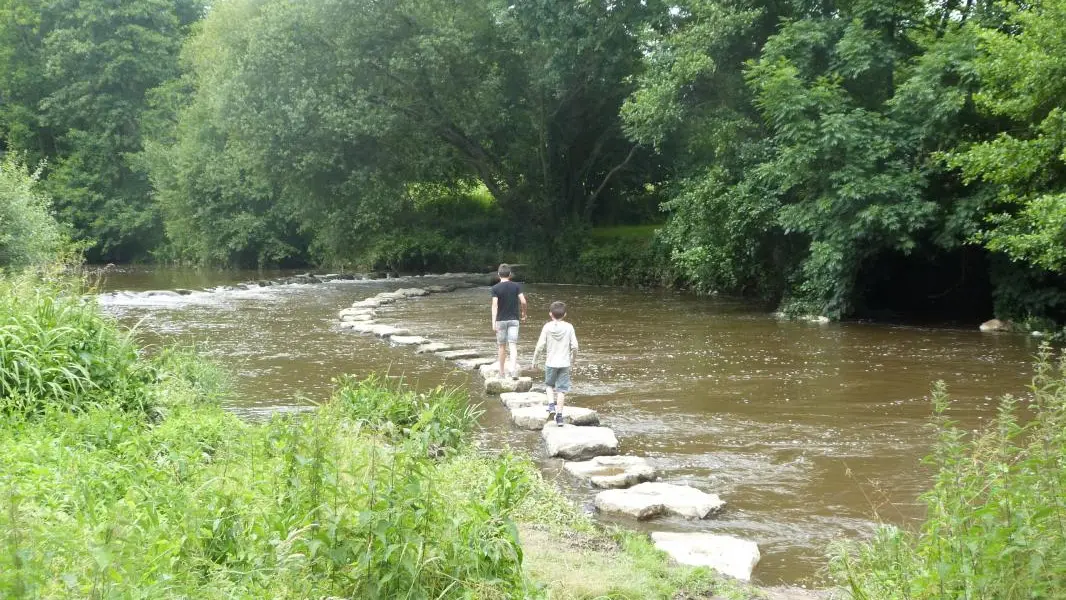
996,515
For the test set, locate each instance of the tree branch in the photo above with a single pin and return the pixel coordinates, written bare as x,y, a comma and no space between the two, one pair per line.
607,178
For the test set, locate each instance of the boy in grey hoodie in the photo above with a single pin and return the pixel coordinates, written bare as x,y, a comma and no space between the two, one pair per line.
558,339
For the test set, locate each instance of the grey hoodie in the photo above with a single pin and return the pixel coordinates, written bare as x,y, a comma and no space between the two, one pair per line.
560,340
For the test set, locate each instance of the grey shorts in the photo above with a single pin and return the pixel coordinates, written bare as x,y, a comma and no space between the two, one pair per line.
506,332
557,378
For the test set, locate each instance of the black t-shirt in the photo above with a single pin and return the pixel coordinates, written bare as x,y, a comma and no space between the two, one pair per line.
507,306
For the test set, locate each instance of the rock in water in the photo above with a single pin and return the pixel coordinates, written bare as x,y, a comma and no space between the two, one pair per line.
499,386
407,340
612,471
359,317
649,500
384,331
411,292
360,326
457,354
534,417
356,311
474,363
434,347
723,553
516,400
996,325
368,303
578,443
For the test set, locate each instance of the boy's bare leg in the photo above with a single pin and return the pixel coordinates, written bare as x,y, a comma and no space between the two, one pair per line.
513,347
551,397
560,399
502,355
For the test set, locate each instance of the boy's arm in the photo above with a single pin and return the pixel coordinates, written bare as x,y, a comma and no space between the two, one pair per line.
495,308
573,345
540,344
522,301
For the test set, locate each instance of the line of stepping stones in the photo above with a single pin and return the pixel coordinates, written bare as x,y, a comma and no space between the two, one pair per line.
590,451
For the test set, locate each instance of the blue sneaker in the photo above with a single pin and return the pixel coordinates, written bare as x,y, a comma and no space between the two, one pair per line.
559,418
551,411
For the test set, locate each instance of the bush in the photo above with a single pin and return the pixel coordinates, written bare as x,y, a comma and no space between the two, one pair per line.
996,521
56,349
29,234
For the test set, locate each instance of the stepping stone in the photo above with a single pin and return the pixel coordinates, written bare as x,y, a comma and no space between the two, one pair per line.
361,326
408,340
652,499
368,303
411,292
475,363
518,400
382,300
384,331
499,386
723,553
457,354
359,317
534,417
612,471
357,311
440,289
433,347
578,443
389,297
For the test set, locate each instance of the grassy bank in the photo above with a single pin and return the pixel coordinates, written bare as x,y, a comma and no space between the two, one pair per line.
122,477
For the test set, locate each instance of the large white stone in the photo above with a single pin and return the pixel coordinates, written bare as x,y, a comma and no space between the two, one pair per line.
612,471
457,354
474,363
356,311
534,417
516,400
407,340
578,443
433,347
384,331
723,553
360,317
499,386
649,500
368,303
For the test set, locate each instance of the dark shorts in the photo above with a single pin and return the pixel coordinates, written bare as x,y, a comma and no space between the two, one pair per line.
557,378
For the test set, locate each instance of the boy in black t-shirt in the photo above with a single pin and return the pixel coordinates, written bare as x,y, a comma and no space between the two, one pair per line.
508,309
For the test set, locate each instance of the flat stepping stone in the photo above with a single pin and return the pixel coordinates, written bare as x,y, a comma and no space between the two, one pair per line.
612,471
384,331
408,340
518,400
440,289
411,292
360,326
475,363
457,354
652,499
534,417
359,317
499,386
368,303
389,297
356,311
432,347
723,553
578,443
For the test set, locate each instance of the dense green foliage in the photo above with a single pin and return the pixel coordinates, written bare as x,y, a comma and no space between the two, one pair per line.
29,233
841,157
994,526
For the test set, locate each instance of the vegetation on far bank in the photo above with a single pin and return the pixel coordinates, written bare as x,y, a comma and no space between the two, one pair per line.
840,158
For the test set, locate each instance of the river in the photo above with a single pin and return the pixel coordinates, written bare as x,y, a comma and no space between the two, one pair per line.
807,431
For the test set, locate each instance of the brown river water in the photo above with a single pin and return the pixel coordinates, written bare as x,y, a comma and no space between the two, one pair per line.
808,432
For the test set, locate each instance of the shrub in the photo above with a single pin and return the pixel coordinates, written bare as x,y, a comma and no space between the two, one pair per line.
996,521
57,349
29,234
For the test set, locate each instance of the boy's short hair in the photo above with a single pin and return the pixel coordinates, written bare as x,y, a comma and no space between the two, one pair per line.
557,310
504,270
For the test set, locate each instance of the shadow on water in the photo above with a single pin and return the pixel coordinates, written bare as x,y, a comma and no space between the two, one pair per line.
806,431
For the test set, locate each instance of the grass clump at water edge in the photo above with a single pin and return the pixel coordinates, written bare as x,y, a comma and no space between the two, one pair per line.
996,515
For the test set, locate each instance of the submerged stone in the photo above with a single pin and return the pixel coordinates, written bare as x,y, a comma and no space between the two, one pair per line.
407,340
433,347
612,471
457,354
652,499
723,553
499,386
534,417
578,443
